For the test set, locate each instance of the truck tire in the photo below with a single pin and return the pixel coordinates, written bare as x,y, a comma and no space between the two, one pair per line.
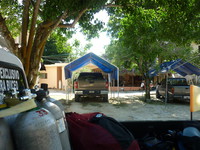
157,94
77,98
105,98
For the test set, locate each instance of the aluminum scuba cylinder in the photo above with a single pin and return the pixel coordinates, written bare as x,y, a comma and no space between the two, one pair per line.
36,129
6,141
59,104
61,124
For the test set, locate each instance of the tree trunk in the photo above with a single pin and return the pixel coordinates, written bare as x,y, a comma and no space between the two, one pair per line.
9,40
36,54
143,67
34,37
147,89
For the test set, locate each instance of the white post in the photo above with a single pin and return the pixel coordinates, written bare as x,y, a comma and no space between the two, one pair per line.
66,84
118,83
109,88
113,83
166,90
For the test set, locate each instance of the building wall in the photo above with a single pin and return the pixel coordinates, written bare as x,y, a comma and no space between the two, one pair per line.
51,79
55,76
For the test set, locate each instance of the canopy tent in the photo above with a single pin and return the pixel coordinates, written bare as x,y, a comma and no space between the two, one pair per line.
104,65
182,68
94,59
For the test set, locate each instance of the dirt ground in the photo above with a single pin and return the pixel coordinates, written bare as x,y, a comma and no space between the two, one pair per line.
129,106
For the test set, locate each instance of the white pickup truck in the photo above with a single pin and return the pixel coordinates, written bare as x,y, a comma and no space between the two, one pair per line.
177,89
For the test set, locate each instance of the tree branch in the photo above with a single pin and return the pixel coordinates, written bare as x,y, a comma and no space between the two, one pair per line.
112,5
45,29
72,25
66,26
31,35
47,24
42,50
52,25
10,42
55,22
25,22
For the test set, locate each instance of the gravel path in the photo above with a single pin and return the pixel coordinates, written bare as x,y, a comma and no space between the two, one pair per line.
128,107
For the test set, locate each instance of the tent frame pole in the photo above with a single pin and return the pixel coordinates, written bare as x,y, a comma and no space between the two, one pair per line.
109,85
118,84
166,89
113,83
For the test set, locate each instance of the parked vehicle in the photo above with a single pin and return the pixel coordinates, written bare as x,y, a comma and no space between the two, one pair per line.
91,84
177,89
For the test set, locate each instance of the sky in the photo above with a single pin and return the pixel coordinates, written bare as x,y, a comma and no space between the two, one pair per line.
98,43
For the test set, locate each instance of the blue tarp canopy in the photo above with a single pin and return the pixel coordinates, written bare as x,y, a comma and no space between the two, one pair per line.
182,68
94,59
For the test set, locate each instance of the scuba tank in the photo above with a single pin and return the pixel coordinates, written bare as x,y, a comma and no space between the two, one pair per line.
36,129
42,102
44,86
32,129
59,104
6,142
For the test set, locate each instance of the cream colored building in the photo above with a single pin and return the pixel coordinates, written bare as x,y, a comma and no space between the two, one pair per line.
54,76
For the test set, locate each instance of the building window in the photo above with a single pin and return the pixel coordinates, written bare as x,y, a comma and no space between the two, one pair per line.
43,76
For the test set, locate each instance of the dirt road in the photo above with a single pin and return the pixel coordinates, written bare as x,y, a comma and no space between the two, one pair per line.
129,106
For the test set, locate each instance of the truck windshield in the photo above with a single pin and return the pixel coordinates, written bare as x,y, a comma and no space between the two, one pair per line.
92,76
178,82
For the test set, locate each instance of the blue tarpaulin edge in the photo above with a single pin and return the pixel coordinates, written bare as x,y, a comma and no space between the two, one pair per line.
179,66
94,59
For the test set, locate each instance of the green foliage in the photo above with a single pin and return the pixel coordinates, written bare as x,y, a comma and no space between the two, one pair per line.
59,49
137,37
117,54
181,22
177,21
12,10
90,28
79,51
57,44
52,9
146,30
172,51
143,29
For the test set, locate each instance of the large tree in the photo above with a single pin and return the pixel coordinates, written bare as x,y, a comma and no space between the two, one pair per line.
35,20
147,30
